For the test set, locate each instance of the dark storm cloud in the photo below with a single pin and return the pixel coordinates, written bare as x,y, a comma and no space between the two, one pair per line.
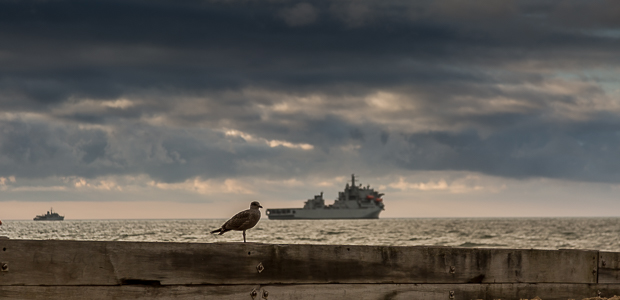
53,50
489,86
583,153
31,149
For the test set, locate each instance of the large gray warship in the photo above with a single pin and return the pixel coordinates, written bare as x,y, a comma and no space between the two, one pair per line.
49,216
356,202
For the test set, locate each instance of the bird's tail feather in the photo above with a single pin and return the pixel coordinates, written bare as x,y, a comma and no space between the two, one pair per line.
220,230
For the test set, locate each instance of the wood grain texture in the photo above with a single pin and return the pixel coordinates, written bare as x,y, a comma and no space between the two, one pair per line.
549,291
54,262
609,267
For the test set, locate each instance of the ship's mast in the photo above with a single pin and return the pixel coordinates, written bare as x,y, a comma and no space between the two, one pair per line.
353,179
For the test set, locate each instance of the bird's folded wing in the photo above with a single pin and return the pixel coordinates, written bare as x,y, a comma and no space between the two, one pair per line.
238,220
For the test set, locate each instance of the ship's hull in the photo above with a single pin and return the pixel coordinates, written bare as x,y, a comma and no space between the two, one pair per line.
323,213
49,219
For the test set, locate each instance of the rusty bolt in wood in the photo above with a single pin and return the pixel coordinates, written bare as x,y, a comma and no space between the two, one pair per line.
265,294
452,269
4,267
451,294
260,267
254,293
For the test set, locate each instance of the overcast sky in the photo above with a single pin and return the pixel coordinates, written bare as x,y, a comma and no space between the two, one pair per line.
192,109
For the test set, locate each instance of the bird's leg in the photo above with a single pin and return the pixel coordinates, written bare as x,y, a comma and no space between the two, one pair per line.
244,236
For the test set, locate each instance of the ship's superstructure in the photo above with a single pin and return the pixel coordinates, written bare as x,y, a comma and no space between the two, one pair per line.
355,202
49,216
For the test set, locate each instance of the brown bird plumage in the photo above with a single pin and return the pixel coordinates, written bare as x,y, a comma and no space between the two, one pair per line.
243,220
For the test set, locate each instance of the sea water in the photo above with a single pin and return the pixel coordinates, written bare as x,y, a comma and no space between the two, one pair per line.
516,233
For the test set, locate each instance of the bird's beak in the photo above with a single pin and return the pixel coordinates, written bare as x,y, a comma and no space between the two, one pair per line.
260,206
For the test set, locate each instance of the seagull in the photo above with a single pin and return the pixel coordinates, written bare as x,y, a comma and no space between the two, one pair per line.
243,220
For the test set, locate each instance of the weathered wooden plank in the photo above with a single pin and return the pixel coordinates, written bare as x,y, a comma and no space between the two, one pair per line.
112,263
547,291
236,263
55,263
609,267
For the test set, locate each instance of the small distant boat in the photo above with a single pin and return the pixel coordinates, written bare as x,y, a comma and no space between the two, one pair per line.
49,216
